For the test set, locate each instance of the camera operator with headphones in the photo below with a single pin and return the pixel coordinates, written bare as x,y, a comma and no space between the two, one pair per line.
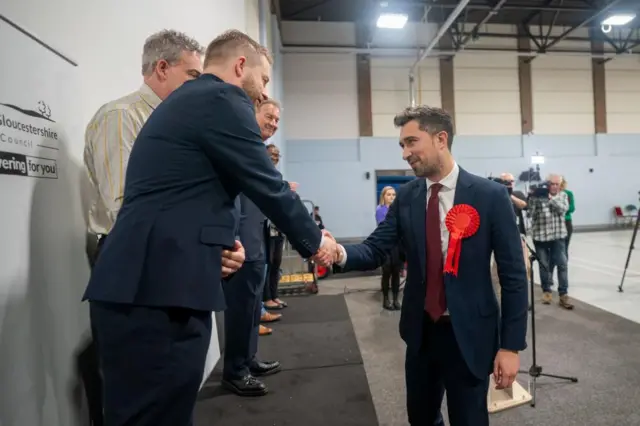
548,206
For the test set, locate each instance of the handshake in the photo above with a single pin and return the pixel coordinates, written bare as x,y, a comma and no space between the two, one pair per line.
330,251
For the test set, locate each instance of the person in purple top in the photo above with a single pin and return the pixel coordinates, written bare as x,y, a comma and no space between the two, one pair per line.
393,265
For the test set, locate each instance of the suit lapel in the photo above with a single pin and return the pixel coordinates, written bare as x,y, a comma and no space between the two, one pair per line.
464,195
418,222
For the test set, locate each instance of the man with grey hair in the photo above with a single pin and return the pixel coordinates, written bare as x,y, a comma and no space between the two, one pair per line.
547,208
169,58
449,222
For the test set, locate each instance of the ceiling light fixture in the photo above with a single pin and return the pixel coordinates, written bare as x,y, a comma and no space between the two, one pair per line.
394,21
619,19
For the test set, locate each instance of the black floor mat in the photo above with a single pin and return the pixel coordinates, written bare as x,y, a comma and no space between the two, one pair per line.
323,380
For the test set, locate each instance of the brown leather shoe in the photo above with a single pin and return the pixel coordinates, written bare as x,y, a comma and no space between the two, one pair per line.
547,297
270,317
565,302
264,331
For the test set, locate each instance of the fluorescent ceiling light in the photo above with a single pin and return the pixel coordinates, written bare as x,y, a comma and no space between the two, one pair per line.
392,20
537,159
621,19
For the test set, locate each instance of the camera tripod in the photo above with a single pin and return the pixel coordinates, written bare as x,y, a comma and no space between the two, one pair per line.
535,371
631,247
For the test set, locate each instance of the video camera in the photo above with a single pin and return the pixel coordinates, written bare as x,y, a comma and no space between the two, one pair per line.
539,191
502,182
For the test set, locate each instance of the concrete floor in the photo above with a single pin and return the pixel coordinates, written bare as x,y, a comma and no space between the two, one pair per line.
595,269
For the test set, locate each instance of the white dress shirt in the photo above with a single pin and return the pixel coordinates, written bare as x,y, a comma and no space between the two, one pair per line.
446,197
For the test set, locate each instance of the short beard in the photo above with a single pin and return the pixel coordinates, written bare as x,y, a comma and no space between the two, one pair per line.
251,88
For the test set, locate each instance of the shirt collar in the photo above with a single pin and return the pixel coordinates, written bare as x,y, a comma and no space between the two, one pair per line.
149,96
450,180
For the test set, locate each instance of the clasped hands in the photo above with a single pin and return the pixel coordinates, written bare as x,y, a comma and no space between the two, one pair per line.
330,251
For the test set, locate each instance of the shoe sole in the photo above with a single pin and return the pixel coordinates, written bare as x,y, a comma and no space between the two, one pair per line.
268,372
230,387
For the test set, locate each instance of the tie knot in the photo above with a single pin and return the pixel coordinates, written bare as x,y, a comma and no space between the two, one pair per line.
435,188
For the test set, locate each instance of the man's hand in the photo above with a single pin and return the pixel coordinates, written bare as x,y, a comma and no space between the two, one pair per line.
327,252
293,186
339,251
505,368
232,260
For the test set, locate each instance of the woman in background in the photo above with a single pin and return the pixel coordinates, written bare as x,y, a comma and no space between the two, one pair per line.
393,265
568,217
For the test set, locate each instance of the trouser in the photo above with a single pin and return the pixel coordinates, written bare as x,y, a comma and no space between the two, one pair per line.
151,360
87,359
276,246
552,254
242,318
437,366
391,274
569,224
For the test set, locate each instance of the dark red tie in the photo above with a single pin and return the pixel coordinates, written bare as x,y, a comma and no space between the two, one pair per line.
435,302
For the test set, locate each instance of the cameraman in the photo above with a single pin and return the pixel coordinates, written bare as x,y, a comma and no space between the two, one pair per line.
518,199
548,206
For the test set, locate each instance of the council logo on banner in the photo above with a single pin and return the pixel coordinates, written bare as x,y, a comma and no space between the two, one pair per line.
25,165
27,129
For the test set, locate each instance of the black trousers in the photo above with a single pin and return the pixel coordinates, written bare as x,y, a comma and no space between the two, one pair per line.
276,246
569,224
243,293
391,273
152,360
438,366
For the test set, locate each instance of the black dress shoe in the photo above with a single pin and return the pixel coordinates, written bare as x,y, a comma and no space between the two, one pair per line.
265,368
246,386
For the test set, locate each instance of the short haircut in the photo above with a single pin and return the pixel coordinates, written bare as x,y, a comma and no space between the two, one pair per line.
232,43
271,145
269,101
431,120
167,45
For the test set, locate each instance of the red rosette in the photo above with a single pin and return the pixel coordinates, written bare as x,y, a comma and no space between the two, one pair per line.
462,222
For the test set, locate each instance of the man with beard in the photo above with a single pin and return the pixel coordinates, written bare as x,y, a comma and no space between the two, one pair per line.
450,318
243,291
159,274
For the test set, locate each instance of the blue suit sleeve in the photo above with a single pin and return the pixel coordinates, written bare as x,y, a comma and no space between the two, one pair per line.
372,253
233,144
512,273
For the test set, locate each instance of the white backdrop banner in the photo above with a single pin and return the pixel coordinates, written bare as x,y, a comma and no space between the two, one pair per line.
43,267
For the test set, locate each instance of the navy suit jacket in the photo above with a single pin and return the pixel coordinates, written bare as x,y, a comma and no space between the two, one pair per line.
471,300
197,152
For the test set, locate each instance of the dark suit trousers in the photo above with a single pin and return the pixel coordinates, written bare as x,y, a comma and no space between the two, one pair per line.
438,366
243,293
152,361
276,246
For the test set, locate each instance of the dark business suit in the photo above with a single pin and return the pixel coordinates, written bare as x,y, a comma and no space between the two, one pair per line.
458,351
158,276
243,293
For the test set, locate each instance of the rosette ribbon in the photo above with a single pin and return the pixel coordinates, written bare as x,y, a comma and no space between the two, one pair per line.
462,222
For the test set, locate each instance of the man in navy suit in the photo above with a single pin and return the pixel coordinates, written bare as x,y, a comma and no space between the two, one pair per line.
450,321
159,274
244,290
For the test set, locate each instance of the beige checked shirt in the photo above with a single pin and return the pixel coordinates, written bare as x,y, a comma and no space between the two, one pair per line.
108,141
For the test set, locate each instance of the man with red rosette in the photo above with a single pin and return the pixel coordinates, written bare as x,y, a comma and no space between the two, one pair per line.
449,223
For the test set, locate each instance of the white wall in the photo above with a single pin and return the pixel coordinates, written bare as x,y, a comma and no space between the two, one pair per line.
623,95
486,87
252,18
320,94
390,90
106,42
563,90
